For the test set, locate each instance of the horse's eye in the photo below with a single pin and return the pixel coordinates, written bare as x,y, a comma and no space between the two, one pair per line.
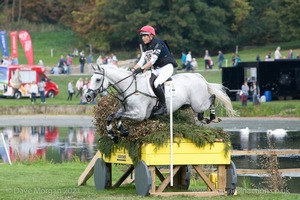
98,80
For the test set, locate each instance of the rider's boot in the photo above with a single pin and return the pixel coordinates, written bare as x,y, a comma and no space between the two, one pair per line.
162,108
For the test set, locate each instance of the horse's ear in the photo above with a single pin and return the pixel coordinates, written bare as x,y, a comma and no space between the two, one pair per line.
93,66
99,68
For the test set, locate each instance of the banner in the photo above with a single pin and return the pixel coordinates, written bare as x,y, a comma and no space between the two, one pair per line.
3,44
14,44
25,40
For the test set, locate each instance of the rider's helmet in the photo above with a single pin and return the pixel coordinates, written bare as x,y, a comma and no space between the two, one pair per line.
147,30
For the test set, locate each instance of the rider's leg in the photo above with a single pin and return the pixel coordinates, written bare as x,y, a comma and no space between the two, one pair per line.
162,108
162,75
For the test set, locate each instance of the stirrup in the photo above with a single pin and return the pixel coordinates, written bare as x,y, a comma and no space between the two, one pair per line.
161,111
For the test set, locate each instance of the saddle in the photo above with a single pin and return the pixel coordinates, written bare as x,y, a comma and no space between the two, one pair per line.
151,82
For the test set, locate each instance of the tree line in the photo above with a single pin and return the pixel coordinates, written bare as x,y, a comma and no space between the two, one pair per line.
193,25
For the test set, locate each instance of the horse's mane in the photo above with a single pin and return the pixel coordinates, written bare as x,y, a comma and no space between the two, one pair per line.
98,68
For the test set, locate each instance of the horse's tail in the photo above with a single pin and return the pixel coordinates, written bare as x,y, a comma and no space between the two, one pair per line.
219,91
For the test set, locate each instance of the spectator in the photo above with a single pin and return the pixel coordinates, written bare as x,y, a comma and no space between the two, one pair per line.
62,64
69,63
114,59
277,53
33,91
75,52
233,59
188,61
206,60
244,93
256,93
15,61
6,60
99,60
55,70
194,64
237,60
82,60
258,58
41,63
90,58
183,60
70,90
41,88
79,87
270,55
210,63
290,54
220,59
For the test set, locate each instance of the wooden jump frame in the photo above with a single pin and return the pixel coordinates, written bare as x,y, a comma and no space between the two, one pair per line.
271,152
147,169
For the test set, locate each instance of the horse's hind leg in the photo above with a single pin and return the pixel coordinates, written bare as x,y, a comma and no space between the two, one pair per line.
212,109
212,117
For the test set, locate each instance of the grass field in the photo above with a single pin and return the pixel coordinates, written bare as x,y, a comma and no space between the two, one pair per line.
274,108
63,41
44,180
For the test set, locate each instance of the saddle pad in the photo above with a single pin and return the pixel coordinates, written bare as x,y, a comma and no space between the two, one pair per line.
167,85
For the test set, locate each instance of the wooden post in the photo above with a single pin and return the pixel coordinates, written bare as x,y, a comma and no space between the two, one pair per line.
89,170
221,178
152,170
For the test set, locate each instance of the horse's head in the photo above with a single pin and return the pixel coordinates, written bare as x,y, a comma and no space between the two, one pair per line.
96,83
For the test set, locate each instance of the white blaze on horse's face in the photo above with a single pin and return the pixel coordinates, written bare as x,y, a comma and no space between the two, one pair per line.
96,82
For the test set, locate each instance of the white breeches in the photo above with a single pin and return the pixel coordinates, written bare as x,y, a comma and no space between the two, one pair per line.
163,74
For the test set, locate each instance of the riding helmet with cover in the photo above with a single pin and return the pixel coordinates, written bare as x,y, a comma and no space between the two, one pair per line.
147,30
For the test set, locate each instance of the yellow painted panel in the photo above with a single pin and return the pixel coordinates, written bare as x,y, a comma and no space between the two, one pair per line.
185,153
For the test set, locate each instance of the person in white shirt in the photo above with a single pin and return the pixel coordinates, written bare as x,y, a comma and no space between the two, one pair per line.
33,91
277,54
188,61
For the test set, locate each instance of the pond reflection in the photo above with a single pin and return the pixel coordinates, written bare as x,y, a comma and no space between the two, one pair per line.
259,140
52,143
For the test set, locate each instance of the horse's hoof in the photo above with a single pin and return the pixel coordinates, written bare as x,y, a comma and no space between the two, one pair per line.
115,139
205,121
110,134
125,133
216,120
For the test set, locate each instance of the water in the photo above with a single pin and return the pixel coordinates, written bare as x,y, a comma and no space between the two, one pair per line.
53,143
259,140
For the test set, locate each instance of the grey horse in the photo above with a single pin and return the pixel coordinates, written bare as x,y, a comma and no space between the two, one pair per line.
191,89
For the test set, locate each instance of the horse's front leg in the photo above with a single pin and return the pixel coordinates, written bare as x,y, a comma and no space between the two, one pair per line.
133,115
110,132
124,131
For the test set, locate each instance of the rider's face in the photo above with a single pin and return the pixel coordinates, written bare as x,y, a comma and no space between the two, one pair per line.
146,39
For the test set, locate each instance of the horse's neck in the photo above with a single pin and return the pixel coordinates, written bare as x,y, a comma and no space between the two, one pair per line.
118,78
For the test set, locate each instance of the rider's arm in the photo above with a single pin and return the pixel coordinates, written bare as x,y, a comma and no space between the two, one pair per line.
153,59
140,62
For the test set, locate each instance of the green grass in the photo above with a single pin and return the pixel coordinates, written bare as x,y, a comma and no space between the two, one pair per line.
63,41
44,180
274,108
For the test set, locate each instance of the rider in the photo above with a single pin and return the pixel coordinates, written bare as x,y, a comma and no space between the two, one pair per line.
156,53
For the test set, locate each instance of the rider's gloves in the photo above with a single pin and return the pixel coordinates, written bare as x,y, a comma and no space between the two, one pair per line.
138,70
